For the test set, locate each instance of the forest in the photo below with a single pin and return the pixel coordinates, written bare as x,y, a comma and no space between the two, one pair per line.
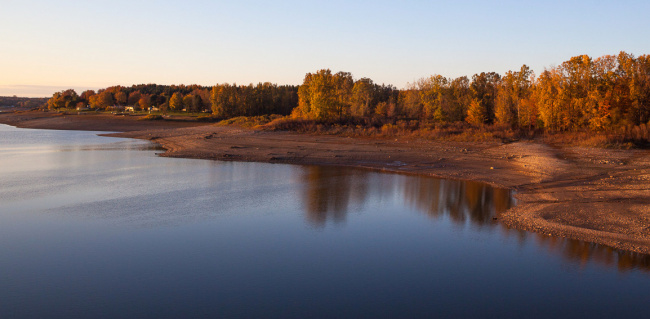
580,94
223,100
21,102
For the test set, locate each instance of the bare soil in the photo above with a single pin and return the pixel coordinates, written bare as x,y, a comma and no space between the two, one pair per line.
595,195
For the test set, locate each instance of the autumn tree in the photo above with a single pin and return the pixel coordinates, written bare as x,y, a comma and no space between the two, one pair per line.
410,102
435,97
134,98
484,88
201,99
64,99
325,96
476,113
634,87
343,83
364,98
547,92
388,108
641,92
513,88
577,82
601,97
176,101
224,100
581,93
145,101
102,100
56,101
121,98
188,102
85,96
460,98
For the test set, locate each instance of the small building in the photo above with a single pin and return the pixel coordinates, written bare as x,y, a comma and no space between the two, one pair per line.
129,109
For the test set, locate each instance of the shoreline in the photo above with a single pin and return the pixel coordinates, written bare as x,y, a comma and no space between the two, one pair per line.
600,196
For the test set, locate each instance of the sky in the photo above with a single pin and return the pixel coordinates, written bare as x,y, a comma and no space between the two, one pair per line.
48,46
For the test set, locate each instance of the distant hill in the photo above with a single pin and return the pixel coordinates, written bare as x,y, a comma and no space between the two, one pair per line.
21,103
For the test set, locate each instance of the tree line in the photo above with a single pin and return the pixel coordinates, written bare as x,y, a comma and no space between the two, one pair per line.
581,93
223,100
142,96
22,102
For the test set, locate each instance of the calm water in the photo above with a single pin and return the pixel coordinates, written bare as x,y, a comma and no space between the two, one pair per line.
100,227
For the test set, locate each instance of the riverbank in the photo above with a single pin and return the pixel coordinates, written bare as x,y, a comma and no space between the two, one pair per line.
596,195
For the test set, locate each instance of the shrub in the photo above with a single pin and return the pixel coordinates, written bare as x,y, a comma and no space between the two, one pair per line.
207,118
250,121
151,117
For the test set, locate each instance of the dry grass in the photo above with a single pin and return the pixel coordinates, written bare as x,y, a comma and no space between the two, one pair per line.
624,138
151,117
207,118
458,132
250,121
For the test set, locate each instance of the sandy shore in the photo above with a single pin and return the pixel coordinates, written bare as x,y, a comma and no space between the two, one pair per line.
596,195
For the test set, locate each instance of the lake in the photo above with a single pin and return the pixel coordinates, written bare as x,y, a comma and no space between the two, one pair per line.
101,227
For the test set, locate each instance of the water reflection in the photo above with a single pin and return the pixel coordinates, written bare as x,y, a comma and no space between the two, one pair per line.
76,175
460,201
582,253
331,192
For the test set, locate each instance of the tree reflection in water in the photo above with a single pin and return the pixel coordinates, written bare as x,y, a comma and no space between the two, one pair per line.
583,253
460,201
329,193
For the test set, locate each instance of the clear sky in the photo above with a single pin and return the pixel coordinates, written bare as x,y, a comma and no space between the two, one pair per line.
46,46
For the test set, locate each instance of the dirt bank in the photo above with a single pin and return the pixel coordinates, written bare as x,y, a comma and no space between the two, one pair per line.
89,121
596,195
